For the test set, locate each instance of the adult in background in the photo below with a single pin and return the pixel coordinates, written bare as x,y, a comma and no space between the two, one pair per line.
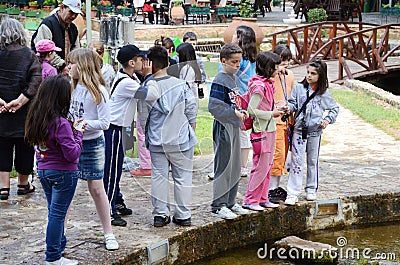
19,82
60,29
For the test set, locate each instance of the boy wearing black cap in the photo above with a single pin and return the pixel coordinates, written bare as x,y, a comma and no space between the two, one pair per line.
124,93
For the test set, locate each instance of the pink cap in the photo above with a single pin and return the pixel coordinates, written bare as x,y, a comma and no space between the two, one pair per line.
46,46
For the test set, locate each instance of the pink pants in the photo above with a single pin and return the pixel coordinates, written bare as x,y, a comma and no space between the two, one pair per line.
257,189
144,153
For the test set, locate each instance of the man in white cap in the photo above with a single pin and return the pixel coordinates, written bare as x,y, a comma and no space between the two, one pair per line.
60,29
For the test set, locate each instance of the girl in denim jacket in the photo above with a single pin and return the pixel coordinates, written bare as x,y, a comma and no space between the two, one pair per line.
310,99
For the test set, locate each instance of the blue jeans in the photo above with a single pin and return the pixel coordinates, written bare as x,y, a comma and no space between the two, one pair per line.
59,188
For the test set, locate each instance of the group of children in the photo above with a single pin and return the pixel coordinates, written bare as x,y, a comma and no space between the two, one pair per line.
80,135
275,128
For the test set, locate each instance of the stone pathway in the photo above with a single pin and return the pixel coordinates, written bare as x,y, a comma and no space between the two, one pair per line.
356,159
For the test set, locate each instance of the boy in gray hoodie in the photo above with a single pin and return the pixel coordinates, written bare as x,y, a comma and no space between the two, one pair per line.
170,137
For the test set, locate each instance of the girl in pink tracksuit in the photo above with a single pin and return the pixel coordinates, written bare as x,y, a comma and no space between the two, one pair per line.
264,111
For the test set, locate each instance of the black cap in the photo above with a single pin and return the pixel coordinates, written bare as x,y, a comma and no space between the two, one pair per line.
128,52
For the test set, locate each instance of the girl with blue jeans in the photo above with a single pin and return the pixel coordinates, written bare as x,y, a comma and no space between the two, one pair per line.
58,145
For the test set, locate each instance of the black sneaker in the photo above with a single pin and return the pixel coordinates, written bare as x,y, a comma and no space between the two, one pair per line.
182,222
122,210
160,221
277,195
116,220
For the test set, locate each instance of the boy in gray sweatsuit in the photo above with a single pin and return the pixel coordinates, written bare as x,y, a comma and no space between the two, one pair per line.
227,119
170,137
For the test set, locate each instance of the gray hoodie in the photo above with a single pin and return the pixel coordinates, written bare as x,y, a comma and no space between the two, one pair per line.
168,126
315,108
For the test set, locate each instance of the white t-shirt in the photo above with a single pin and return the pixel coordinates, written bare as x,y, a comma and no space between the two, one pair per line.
123,100
96,116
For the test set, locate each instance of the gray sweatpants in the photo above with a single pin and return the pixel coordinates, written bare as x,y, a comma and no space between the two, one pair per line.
300,147
182,171
226,165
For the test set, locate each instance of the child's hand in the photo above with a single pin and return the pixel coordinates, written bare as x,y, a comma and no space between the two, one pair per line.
3,106
80,125
242,115
277,112
324,123
246,113
147,67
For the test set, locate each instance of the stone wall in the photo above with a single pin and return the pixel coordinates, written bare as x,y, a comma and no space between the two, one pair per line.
268,226
205,31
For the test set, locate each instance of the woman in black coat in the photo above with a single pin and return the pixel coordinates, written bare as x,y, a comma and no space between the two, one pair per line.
20,77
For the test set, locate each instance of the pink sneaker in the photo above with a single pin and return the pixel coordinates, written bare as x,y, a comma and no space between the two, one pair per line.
253,207
140,172
269,205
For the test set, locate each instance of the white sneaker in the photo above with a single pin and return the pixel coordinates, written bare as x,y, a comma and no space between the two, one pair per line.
311,196
62,261
244,172
224,213
111,242
238,209
210,176
291,200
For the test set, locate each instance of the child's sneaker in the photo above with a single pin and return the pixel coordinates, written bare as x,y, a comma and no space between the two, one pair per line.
224,213
62,261
276,195
160,221
269,205
244,172
123,210
116,220
140,172
253,207
111,242
237,209
311,196
291,200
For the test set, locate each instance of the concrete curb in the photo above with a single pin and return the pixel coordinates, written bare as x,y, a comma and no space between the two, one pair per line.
374,91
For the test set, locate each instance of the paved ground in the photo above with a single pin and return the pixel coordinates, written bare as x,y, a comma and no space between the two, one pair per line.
356,158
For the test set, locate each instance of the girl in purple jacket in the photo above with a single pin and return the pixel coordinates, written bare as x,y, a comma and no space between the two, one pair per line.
58,145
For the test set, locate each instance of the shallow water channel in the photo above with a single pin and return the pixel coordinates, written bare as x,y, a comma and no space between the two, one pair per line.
356,243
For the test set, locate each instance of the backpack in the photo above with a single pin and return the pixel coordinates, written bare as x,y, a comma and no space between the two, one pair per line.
244,104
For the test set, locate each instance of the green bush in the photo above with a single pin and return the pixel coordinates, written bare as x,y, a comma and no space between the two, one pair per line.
246,9
316,15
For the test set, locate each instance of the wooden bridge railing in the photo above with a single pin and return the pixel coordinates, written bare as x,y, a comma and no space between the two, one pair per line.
363,43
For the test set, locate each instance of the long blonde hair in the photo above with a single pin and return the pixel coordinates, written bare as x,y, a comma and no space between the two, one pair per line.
89,69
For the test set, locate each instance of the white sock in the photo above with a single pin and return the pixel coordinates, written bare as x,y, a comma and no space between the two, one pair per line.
274,182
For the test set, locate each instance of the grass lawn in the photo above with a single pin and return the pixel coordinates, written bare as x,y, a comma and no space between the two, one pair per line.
211,68
371,110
